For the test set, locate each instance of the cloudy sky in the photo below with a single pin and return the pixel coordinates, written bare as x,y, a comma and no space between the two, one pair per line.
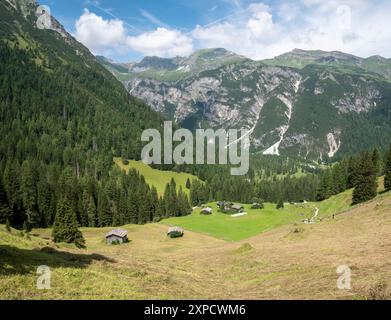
128,30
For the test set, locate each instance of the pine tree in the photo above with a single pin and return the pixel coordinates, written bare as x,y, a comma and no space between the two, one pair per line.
325,186
280,203
104,214
145,206
65,228
27,226
5,212
376,161
353,171
12,187
122,210
92,213
44,197
154,203
29,195
8,225
184,208
188,183
366,185
133,208
387,171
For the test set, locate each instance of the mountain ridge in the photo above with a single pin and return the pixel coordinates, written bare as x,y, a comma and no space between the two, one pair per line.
334,104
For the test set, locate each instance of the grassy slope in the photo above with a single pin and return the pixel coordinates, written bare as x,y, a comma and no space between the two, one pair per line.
341,202
289,262
225,227
157,178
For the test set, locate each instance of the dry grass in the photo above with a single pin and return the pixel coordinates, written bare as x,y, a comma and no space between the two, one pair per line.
291,262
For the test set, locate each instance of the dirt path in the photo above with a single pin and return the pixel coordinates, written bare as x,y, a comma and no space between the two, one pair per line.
312,220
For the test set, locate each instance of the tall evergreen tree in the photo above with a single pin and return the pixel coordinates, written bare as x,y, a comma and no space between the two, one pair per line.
183,204
92,214
29,195
11,182
387,171
188,183
325,187
280,203
104,214
5,212
376,161
366,186
65,228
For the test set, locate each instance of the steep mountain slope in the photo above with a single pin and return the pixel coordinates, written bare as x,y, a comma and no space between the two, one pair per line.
49,79
318,111
63,117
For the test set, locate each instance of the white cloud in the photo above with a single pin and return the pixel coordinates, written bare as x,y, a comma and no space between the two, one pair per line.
109,36
253,35
354,26
161,42
360,27
99,34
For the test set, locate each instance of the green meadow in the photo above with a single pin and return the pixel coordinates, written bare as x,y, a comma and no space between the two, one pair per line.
154,177
227,227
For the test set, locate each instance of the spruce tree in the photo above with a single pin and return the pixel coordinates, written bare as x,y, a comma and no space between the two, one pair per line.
11,182
387,171
280,203
29,195
133,207
154,203
376,161
144,211
65,228
353,171
5,212
325,186
184,208
104,213
188,183
366,186
8,226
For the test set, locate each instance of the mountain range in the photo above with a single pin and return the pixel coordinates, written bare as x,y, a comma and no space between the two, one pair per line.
312,104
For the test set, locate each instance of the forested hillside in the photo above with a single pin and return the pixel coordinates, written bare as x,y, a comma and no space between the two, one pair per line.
63,119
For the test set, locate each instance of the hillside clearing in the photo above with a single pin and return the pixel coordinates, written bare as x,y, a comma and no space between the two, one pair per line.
155,177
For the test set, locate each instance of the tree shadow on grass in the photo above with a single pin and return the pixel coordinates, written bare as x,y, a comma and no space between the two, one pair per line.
21,261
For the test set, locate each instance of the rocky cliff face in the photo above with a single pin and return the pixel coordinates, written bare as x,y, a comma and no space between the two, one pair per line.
316,112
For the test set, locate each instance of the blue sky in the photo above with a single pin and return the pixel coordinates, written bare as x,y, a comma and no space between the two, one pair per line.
129,30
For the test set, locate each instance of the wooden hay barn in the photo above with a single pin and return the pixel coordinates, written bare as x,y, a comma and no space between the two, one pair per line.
175,232
207,211
237,208
117,236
